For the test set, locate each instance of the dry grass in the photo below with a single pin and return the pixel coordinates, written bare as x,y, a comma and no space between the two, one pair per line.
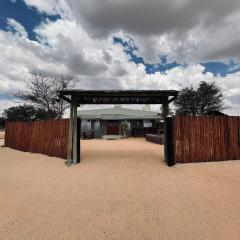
121,190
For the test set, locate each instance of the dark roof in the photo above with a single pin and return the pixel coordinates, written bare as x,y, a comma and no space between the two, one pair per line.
118,96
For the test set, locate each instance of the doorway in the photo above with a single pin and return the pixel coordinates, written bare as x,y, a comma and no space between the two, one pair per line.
112,128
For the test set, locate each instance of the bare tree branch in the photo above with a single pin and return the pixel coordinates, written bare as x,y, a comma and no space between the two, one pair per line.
42,93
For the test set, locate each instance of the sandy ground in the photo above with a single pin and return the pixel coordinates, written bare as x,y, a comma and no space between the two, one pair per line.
121,190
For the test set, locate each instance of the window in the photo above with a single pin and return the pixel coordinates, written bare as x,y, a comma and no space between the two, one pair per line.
147,123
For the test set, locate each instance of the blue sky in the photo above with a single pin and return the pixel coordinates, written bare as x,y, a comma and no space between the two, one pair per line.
30,18
124,49
217,68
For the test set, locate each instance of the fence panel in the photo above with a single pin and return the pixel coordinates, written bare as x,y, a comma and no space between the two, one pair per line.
205,139
46,137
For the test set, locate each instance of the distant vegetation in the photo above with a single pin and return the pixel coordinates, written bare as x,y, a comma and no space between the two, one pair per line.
40,100
24,113
206,98
2,123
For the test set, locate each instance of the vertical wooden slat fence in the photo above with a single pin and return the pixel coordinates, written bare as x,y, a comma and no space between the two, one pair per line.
206,139
47,137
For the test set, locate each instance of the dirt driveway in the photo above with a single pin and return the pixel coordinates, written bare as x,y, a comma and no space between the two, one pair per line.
122,189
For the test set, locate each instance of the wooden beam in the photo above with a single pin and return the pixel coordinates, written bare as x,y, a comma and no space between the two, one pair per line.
170,142
118,96
165,113
74,132
79,140
65,98
165,110
70,137
172,99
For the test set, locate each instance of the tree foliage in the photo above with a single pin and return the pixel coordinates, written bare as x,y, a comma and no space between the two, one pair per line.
170,111
42,93
124,126
2,122
24,113
198,102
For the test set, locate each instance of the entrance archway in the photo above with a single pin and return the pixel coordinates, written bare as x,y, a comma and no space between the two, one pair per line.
78,97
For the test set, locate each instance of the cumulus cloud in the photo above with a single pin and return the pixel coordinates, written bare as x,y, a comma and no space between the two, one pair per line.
185,30
16,27
81,44
50,7
178,27
152,17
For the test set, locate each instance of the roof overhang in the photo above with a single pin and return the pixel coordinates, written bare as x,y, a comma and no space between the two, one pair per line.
78,96
118,117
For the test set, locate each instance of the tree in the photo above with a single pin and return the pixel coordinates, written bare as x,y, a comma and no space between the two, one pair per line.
24,113
42,93
2,122
206,98
124,127
170,112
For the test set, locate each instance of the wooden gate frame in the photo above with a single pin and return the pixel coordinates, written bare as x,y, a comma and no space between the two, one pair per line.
77,97
169,142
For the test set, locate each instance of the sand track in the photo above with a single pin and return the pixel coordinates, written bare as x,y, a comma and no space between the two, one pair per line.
121,190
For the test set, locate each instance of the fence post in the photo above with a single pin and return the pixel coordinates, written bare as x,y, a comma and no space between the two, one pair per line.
74,134
70,137
78,140
169,142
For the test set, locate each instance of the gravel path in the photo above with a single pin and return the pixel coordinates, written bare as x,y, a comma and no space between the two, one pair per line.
122,189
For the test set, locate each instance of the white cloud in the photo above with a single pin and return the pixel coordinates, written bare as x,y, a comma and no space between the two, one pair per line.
50,6
67,47
187,30
16,27
4,104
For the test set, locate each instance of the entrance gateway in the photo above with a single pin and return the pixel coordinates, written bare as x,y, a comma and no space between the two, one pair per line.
77,97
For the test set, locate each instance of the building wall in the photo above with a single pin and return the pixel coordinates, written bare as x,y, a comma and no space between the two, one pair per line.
89,126
99,127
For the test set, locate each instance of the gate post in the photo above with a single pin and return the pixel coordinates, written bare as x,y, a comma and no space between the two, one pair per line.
72,154
70,136
79,121
169,142
75,144
165,114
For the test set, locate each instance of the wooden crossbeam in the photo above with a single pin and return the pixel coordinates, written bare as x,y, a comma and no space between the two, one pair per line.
119,96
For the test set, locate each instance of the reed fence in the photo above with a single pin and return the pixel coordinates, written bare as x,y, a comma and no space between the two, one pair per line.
47,137
204,139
